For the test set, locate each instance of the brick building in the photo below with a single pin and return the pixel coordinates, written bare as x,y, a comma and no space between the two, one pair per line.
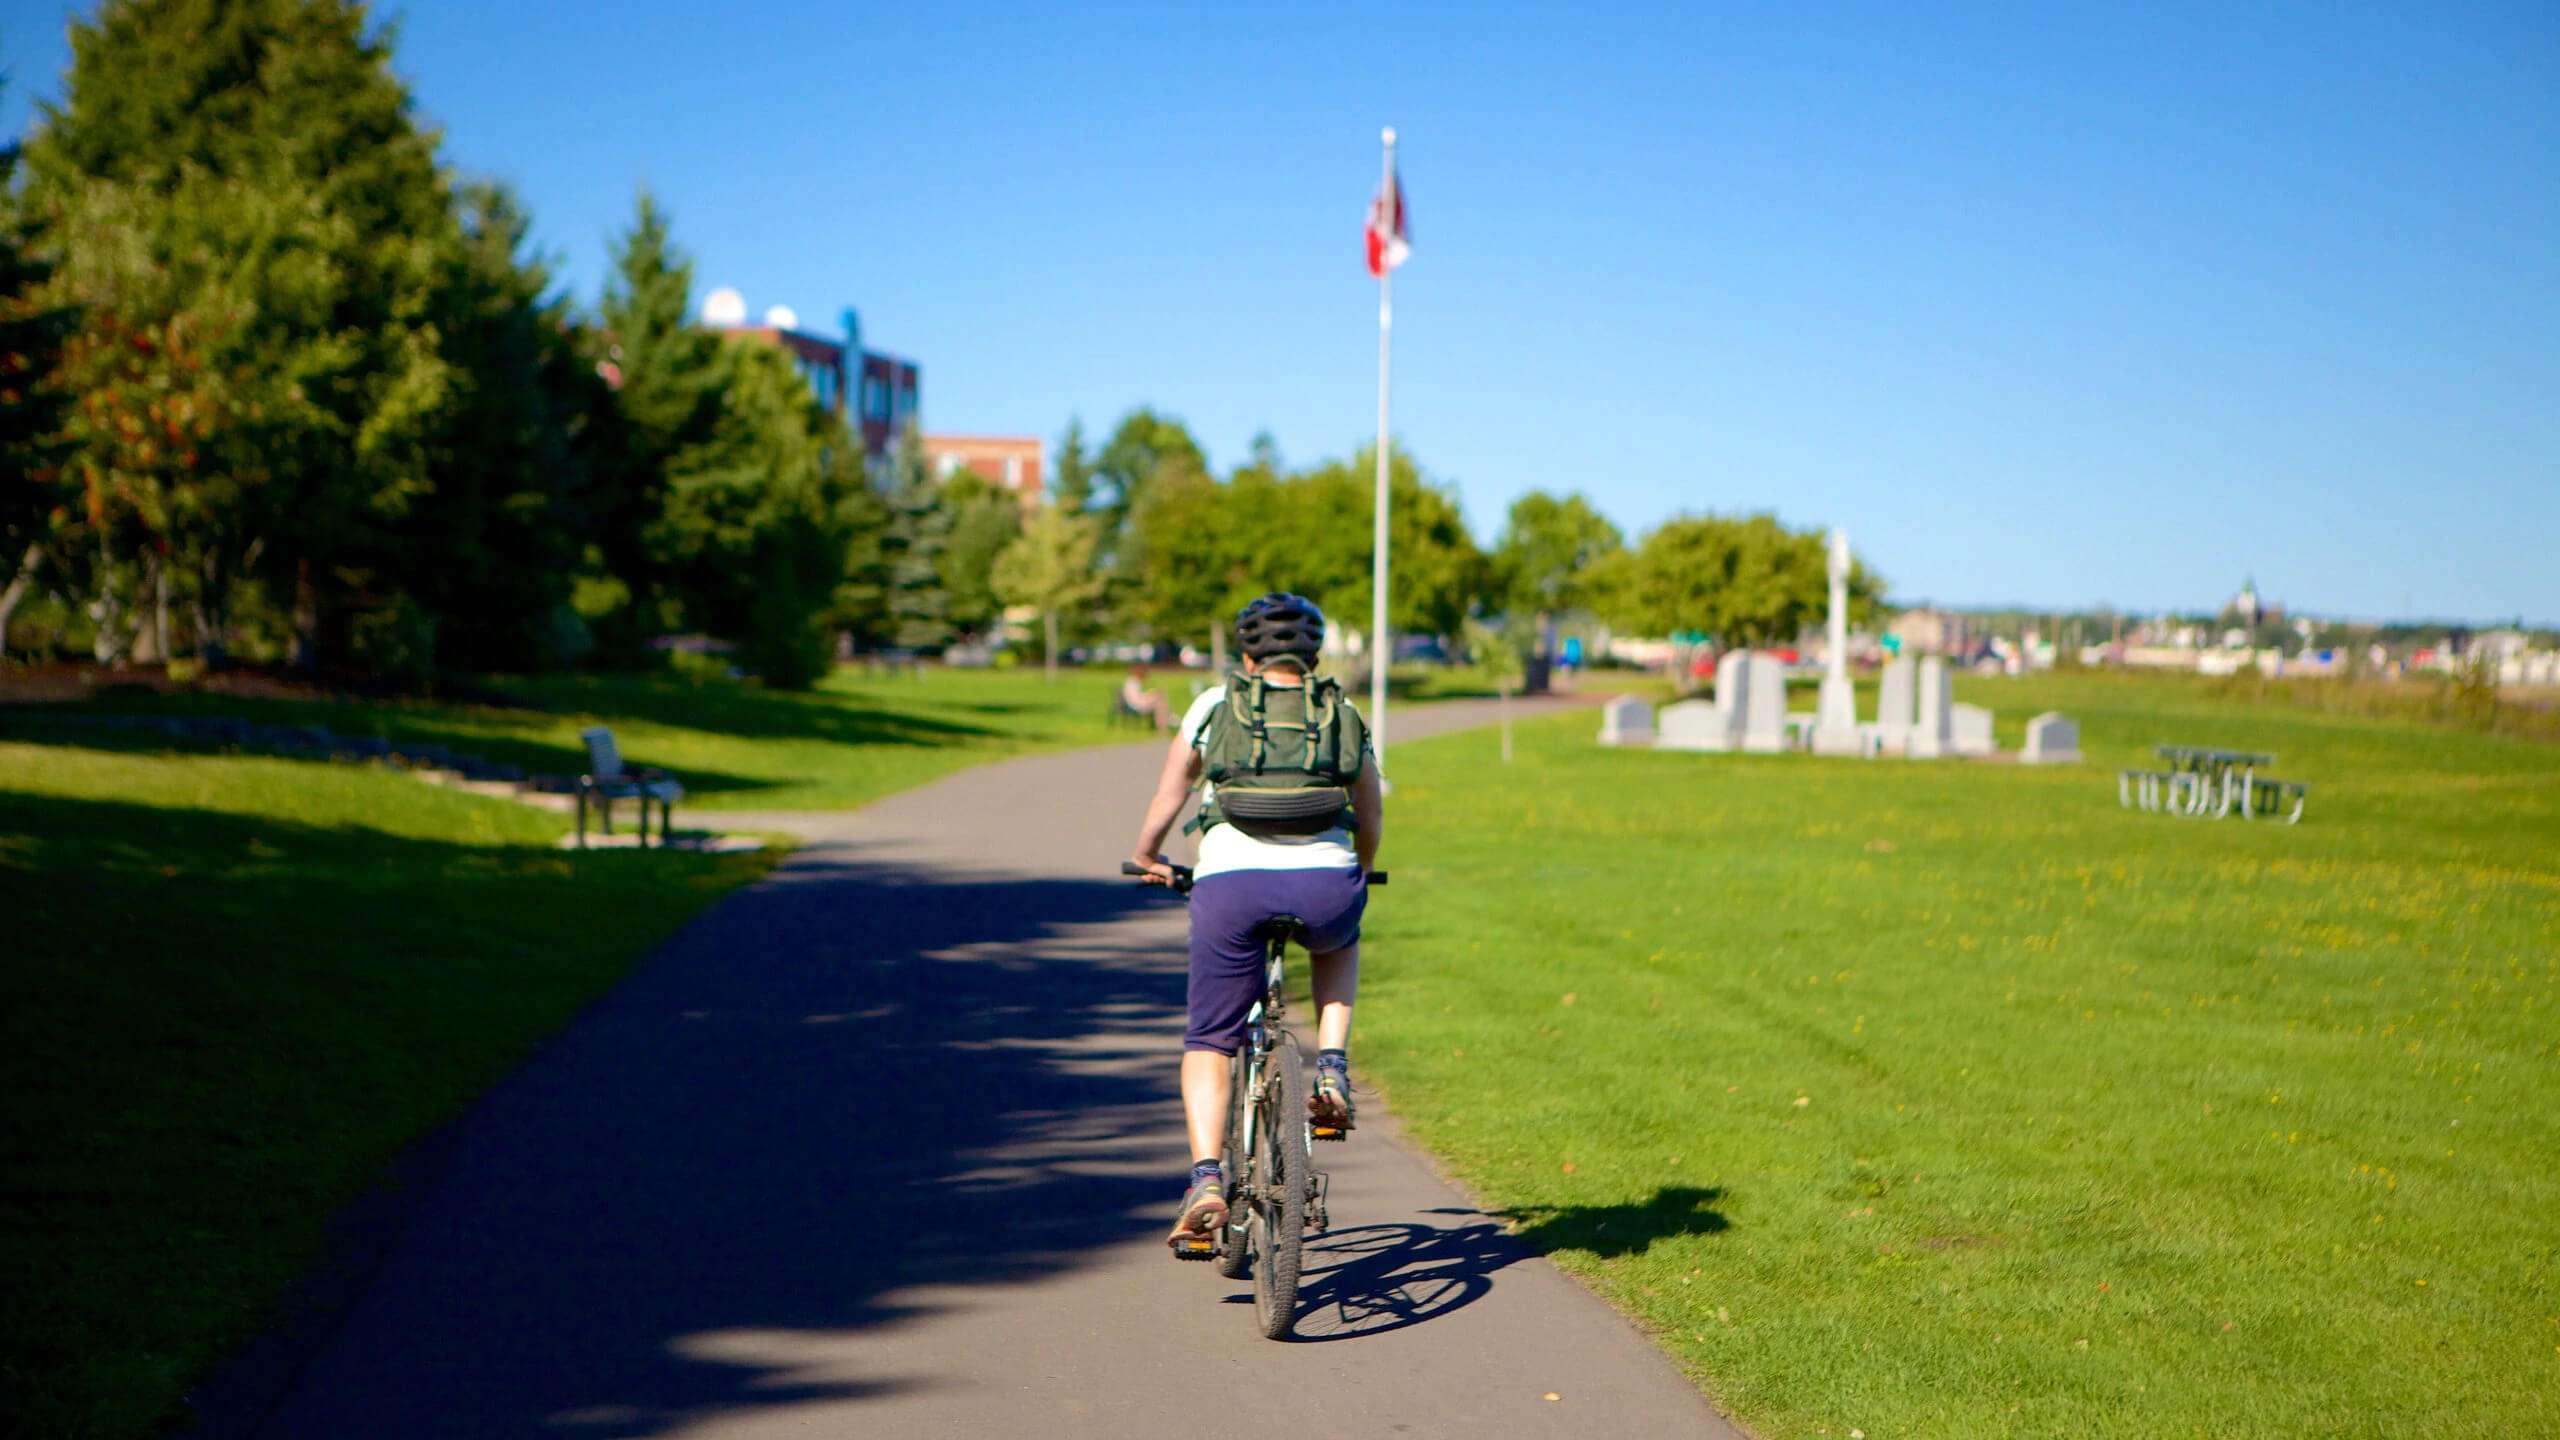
881,391
1012,461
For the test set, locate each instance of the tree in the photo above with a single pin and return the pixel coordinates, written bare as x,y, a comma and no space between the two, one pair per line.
1071,487
667,376
1144,447
1745,580
34,406
1548,545
985,518
264,150
494,553
918,531
1051,566
1436,574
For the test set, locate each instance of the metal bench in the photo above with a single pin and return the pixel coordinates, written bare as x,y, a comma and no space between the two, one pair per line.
608,779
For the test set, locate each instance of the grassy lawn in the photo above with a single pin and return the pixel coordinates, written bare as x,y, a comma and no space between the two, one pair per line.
852,740
1951,1100
235,986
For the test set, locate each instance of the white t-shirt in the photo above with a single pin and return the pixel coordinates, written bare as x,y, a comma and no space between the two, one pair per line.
1224,847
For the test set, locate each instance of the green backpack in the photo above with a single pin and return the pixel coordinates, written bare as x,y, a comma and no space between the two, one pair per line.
1282,759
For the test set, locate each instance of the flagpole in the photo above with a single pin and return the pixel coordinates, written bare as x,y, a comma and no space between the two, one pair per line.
1382,648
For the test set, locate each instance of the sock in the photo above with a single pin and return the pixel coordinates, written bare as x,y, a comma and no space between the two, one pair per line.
1334,1060
1207,1170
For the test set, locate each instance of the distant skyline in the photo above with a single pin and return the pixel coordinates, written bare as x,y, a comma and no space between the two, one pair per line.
2046,307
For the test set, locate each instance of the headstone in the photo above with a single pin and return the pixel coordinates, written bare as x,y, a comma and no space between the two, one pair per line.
1733,683
1694,725
1893,706
1764,715
1933,724
1969,730
2052,739
1627,720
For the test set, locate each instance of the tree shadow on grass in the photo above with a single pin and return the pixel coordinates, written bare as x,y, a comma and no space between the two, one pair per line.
802,1124
1609,1231
529,733
213,1025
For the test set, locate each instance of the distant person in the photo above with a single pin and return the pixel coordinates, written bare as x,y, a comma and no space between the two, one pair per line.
1315,868
1143,702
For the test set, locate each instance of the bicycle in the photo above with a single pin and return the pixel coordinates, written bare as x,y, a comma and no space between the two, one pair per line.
1275,1195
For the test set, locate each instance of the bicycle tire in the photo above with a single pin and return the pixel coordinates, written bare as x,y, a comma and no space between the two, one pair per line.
1283,1163
1234,1259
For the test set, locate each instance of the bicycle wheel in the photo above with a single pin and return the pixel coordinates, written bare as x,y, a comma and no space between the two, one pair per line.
1281,1167
1233,1259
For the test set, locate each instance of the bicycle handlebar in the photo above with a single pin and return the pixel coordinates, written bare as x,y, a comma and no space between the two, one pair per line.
1182,875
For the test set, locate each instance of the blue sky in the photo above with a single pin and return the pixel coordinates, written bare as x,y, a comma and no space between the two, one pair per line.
2046,304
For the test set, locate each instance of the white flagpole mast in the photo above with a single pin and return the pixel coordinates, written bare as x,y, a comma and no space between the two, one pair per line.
1382,649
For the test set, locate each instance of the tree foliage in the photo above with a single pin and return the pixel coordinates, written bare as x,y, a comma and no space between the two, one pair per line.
1743,580
1548,545
1050,567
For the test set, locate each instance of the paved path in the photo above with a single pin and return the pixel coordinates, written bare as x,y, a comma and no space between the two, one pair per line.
884,1146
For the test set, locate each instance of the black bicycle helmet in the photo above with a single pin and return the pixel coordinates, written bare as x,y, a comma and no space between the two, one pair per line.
1281,626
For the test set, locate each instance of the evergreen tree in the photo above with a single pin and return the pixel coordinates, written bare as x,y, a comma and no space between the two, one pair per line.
1071,487
494,554
667,376
919,529
263,151
34,406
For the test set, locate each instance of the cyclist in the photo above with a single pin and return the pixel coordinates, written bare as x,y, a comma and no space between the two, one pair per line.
1313,866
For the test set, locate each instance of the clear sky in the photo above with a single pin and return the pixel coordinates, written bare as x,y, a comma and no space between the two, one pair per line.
2049,304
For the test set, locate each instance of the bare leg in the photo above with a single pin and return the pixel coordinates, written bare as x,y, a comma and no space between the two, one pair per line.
1337,980
1205,1087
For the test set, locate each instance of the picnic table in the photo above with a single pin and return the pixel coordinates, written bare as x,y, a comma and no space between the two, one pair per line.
2202,779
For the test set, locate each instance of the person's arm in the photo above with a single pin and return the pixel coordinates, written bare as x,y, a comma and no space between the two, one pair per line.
1366,819
1181,772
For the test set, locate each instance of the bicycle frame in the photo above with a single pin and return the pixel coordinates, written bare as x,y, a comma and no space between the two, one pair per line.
1261,1023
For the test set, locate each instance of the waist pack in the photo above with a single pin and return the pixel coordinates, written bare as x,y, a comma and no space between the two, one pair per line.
1281,759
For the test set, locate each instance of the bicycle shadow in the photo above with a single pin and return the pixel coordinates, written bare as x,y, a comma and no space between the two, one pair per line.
1370,1280
1375,1279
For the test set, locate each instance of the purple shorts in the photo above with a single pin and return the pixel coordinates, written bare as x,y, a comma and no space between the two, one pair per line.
1226,956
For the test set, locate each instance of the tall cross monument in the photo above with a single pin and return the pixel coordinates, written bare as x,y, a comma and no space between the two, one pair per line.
1835,723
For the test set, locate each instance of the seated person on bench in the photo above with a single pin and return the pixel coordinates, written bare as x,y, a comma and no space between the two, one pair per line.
1144,703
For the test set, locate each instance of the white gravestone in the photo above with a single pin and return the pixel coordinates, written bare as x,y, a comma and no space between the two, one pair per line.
1764,717
1627,720
1933,724
2052,739
1969,730
1893,706
1835,725
1694,725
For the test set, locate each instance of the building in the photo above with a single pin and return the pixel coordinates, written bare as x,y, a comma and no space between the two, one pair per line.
883,392
1012,461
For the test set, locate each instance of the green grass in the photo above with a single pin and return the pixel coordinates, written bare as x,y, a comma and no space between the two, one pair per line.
736,746
234,988
1951,1100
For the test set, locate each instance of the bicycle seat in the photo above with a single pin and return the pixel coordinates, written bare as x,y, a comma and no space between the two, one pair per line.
1280,927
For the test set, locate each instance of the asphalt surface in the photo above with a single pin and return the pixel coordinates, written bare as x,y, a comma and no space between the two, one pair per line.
886,1145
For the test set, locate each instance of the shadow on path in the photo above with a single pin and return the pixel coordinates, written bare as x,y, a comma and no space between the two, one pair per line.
857,1080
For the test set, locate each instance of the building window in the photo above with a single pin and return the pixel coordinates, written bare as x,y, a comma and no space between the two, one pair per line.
1013,472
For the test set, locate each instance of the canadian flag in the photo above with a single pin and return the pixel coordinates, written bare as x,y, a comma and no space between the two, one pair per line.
1389,239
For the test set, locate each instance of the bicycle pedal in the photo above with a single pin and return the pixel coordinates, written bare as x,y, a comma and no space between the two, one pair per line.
1204,1248
1328,1132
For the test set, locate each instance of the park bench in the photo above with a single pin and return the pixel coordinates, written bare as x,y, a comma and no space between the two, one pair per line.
1124,713
608,779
